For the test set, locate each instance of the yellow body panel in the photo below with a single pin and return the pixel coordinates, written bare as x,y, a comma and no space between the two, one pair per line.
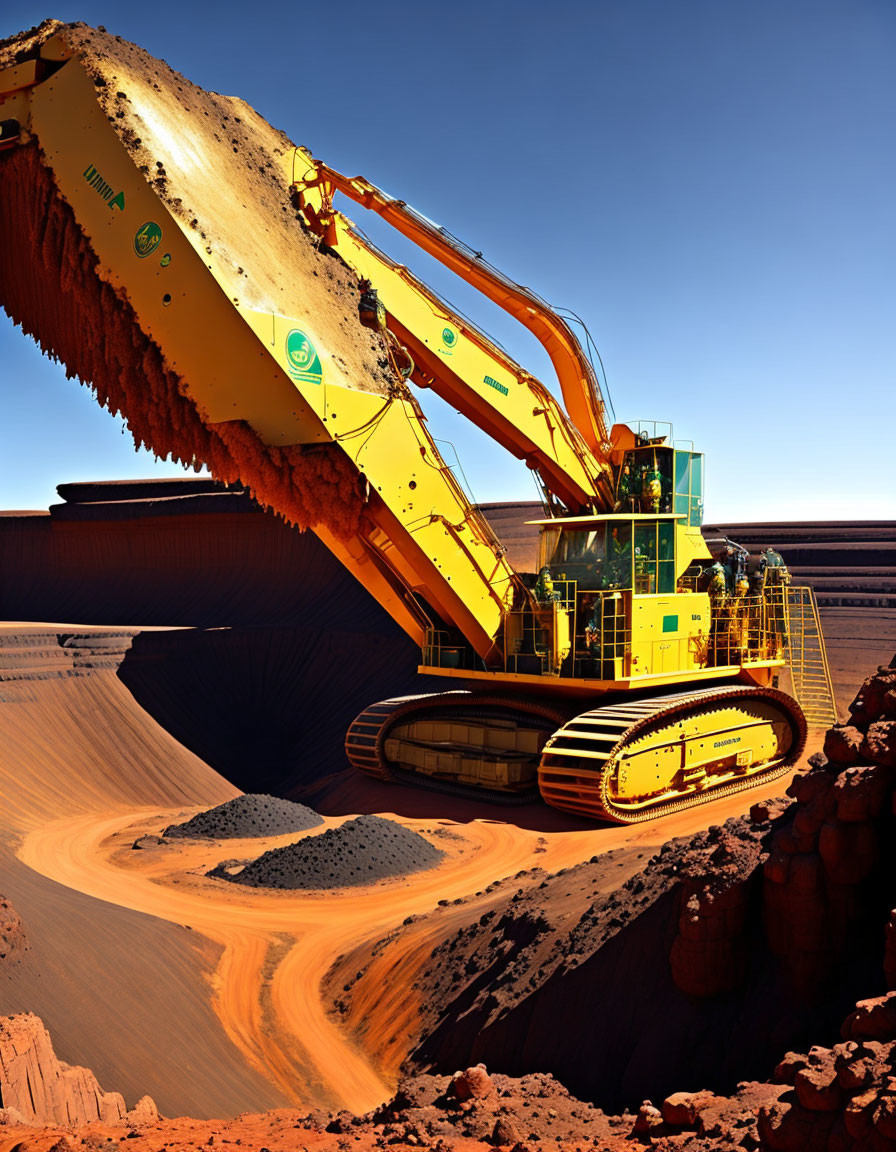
178,300
583,686
699,746
669,633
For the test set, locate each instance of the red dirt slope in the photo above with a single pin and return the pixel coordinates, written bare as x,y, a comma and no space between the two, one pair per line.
119,992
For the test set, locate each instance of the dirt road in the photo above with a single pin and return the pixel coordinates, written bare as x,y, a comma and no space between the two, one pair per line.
278,946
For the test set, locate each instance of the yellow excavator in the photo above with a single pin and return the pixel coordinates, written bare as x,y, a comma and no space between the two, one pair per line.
634,673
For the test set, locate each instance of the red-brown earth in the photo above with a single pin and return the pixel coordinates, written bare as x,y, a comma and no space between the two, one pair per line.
799,893
267,706
591,918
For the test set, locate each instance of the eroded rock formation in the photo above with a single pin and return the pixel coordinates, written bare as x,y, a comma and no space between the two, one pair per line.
13,943
38,1088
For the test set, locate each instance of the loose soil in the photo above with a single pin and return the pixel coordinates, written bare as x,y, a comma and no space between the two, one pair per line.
248,816
361,851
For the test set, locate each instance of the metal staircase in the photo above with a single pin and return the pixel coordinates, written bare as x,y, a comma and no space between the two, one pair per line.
808,660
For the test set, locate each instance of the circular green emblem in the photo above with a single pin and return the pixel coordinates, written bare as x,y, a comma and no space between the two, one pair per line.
300,350
147,239
303,361
449,337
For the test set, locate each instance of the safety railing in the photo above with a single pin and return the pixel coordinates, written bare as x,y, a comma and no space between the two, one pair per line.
439,651
747,629
596,637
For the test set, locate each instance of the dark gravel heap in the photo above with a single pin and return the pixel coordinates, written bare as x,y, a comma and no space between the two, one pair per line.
246,816
362,850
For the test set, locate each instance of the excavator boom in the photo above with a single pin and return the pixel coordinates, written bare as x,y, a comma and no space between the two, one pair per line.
460,362
581,392
335,445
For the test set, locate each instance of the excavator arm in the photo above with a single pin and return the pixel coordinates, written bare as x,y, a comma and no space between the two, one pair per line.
456,359
578,383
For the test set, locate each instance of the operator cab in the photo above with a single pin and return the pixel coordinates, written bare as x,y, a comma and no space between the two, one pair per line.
653,476
622,553
608,585
602,582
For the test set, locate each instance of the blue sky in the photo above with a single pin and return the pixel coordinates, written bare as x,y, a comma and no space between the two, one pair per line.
708,183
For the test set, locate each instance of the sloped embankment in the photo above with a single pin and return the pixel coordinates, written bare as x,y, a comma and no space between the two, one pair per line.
73,741
73,738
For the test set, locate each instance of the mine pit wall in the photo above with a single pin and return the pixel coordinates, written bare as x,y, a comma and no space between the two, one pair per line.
204,561
283,648
268,708
850,564
73,741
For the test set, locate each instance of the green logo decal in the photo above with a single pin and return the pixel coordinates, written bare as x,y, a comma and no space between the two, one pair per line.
492,383
449,337
302,359
147,239
99,185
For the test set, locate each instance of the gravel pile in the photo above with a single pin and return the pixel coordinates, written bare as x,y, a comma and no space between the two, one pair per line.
362,850
247,816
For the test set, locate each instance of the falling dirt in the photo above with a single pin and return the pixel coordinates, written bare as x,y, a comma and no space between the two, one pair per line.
220,168
95,333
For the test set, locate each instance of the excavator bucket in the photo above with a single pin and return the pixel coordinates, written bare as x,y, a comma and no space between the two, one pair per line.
152,245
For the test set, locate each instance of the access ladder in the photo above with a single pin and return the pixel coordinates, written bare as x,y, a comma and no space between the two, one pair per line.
808,660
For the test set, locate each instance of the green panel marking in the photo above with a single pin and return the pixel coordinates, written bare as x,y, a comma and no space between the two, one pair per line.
147,239
492,383
302,360
99,185
670,623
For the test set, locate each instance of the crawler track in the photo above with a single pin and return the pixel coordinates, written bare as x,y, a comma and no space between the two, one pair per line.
366,737
579,764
